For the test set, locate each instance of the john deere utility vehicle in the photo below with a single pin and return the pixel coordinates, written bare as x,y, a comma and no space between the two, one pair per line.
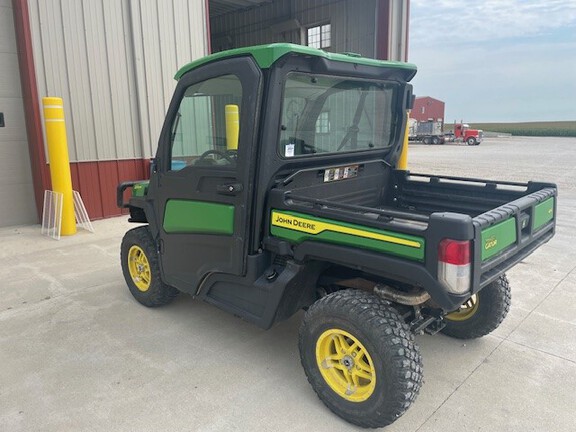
279,185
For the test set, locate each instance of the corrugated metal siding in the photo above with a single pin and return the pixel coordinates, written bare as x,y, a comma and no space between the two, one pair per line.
97,181
353,24
16,192
398,37
426,108
167,35
112,62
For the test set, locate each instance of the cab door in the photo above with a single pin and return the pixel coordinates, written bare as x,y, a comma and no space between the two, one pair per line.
203,183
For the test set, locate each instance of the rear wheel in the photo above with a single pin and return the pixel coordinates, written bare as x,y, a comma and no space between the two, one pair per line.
482,313
426,140
435,140
141,269
360,358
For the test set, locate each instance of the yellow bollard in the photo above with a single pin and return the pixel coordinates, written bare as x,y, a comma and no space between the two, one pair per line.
59,160
232,127
403,159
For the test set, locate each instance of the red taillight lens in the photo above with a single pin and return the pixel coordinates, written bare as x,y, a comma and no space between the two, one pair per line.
454,252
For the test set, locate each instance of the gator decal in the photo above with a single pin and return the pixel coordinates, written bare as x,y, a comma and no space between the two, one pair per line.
543,213
297,227
497,238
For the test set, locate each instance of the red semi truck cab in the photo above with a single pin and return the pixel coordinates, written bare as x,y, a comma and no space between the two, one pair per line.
469,136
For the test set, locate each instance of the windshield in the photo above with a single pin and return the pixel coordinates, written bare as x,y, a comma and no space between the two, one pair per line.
327,114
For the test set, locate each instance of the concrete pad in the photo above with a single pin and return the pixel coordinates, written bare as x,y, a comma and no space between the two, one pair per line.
556,305
447,365
547,334
531,283
516,389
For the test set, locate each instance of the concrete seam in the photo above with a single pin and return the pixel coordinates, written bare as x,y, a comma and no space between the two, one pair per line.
543,351
539,303
459,385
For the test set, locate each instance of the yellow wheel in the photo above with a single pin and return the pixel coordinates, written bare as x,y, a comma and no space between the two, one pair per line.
480,314
345,365
466,311
360,357
139,268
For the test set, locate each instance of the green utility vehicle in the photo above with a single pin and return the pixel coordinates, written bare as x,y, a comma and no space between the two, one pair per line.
277,187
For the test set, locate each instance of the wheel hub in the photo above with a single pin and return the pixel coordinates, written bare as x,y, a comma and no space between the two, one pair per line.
139,268
466,311
348,362
345,365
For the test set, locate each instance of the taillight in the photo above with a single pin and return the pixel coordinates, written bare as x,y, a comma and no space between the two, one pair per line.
454,265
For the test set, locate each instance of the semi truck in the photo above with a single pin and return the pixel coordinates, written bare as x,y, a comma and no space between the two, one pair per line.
463,133
280,184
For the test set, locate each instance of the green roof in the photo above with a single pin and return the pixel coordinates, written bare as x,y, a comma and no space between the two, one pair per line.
266,55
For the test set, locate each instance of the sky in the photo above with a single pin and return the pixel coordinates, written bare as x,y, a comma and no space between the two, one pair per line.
496,60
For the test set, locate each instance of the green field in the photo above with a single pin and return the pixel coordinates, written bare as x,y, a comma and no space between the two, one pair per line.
550,129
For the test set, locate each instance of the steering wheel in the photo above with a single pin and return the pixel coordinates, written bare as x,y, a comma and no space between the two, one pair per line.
204,156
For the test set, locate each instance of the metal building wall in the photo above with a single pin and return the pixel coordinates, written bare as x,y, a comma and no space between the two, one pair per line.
17,205
426,108
353,24
113,62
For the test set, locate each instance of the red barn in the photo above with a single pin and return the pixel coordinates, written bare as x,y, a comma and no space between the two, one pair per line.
426,108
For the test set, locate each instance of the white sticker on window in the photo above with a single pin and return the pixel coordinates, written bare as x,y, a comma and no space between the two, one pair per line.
289,151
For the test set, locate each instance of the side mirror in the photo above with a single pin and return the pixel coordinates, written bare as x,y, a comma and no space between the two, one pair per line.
409,97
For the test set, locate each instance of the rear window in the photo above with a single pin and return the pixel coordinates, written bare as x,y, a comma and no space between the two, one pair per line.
327,114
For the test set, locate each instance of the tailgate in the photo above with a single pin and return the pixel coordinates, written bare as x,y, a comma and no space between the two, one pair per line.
506,235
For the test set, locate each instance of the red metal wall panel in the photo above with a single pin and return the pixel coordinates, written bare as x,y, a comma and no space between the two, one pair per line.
426,108
97,181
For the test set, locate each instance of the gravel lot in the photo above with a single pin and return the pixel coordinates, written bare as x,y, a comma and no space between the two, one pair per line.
77,353
512,158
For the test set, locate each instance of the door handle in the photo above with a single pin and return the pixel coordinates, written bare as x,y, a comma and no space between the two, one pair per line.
230,188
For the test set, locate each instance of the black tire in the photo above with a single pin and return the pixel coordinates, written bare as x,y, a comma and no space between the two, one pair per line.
435,140
426,140
471,141
491,304
146,284
384,345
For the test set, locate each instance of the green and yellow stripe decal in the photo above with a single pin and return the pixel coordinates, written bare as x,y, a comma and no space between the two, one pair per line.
298,227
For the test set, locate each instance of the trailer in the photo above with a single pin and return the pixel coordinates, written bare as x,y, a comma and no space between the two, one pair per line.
428,132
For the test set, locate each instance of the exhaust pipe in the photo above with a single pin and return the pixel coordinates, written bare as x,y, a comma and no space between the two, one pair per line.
414,298
394,295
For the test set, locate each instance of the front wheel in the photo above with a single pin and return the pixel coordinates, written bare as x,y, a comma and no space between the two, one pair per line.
360,358
141,269
482,313
471,141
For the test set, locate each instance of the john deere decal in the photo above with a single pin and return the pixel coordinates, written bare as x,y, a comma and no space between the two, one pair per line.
300,227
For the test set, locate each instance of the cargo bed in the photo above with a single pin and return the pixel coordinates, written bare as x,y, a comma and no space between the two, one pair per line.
505,220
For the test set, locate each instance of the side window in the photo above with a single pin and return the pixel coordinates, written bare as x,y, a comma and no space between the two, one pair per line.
206,128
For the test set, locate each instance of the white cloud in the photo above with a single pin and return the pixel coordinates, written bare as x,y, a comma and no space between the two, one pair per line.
506,60
455,21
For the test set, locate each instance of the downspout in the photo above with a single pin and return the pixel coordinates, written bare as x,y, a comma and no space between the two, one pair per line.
382,29
208,31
